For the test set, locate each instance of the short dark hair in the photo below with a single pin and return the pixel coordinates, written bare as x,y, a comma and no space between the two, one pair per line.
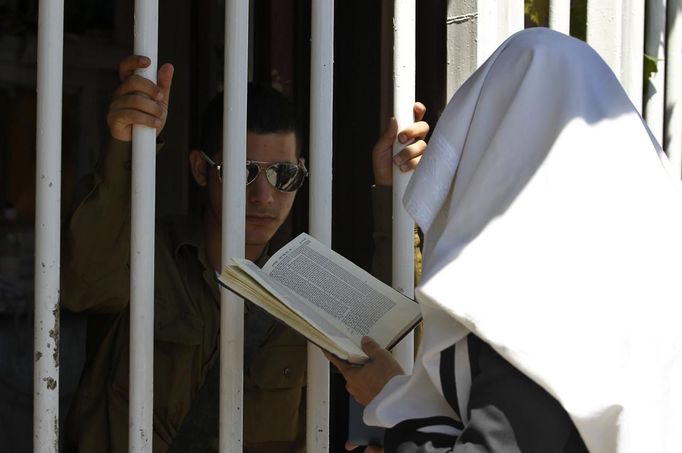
268,111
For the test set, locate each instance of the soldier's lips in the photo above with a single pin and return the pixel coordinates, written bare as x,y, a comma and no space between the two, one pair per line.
259,219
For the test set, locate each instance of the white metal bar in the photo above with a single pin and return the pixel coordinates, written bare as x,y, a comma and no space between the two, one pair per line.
488,30
655,48
141,409
673,86
321,117
496,22
560,15
48,202
404,67
604,31
462,24
632,65
511,18
233,228
615,28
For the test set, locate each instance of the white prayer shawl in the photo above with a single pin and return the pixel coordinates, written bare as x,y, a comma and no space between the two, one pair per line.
553,232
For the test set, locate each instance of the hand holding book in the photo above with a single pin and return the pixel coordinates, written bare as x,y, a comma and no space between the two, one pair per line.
366,381
325,297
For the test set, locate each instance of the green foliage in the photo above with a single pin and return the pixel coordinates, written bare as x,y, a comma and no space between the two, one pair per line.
537,11
650,66
579,19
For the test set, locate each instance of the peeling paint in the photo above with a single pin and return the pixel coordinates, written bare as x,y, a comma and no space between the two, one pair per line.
143,437
54,334
55,427
51,383
38,355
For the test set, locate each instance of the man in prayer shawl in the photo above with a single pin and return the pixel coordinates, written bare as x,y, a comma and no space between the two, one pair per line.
550,286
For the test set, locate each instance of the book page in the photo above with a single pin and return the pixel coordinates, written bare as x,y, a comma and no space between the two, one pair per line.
249,281
341,292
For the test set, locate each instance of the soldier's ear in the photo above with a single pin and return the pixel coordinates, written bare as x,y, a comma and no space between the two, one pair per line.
199,167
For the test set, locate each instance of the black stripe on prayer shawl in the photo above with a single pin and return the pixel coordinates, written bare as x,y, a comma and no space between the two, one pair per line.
447,378
405,436
437,420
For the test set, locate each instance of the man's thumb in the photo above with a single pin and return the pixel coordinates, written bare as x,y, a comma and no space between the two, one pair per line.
370,347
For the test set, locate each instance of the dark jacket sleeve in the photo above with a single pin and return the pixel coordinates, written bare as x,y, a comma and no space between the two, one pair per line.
96,271
508,413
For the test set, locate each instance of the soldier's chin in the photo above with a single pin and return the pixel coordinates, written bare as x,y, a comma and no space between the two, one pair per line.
259,235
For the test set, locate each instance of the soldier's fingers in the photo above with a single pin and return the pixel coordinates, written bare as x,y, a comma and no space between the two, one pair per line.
409,157
419,110
139,103
128,117
414,131
165,80
139,85
129,64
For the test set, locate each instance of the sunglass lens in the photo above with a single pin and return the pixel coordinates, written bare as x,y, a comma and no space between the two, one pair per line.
251,172
285,177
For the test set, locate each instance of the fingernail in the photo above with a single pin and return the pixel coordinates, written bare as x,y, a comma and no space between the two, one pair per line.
397,160
402,138
365,340
404,168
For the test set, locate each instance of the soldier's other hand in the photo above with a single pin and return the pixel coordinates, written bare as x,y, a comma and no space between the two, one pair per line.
407,159
138,100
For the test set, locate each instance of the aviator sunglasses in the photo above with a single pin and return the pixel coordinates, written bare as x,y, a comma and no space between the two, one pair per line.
283,176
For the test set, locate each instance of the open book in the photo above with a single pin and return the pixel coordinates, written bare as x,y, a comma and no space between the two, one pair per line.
325,297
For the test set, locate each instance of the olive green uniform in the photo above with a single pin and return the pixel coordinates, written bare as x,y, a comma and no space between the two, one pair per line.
96,276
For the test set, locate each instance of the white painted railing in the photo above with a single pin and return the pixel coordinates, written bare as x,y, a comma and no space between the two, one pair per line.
672,142
654,47
615,29
560,15
404,72
48,216
497,21
321,120
233,224
143,208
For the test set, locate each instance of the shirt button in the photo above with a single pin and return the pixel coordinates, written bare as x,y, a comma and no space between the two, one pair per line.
287,371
